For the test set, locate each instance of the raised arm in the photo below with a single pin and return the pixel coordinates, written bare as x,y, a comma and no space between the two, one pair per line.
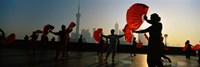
55,33
143,31
120,36
104,36
146,19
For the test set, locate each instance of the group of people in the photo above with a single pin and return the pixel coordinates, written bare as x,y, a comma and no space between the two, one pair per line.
155,49
155,45
61,48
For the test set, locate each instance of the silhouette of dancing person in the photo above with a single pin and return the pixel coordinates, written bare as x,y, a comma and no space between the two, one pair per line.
26,38
155,47
64,41
188,49
133,49
80,43
100,47
199,56
2,36
53,42
112,47
34,38
44,41
163,55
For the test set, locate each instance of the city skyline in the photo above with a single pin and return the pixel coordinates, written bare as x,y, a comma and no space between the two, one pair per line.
179,17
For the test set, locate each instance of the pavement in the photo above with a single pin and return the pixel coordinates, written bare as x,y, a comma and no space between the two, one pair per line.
18,57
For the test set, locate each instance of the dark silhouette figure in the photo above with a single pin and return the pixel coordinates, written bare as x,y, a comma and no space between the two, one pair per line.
26,41
100,47
155,47
64,41
53,42
112,47
2,36
188,50
133,49
199,56
44,41
26,38
34,38
44,38
163,55
80,43
53,39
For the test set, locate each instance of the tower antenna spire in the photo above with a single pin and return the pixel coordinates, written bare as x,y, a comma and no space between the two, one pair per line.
78,16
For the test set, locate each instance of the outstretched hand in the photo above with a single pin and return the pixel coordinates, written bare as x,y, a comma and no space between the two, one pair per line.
145,17
135,31
50,31
101,34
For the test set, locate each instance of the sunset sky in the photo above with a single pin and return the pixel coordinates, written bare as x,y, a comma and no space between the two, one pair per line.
180,18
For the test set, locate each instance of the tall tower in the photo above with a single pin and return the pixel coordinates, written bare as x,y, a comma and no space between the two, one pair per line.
116,28
78,16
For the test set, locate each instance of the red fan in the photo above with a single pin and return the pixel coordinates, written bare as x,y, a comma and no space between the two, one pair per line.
139,45
71,25
9,39
97,34
166,49
196,47
47,28
128,34
39,31
134,19
185,47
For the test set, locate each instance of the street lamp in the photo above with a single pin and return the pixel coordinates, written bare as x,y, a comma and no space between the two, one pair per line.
166,35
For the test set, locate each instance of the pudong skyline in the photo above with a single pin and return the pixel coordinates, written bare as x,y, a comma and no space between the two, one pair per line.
180,18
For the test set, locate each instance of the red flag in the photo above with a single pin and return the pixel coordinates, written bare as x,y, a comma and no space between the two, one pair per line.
97,34
134,19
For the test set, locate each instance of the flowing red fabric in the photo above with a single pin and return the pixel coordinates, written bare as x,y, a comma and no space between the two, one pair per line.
47,28
9,39
185,47
97,34
134,19
196,47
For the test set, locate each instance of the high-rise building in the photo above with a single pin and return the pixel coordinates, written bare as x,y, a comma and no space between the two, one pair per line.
75,36
116,28
86,35
78,16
